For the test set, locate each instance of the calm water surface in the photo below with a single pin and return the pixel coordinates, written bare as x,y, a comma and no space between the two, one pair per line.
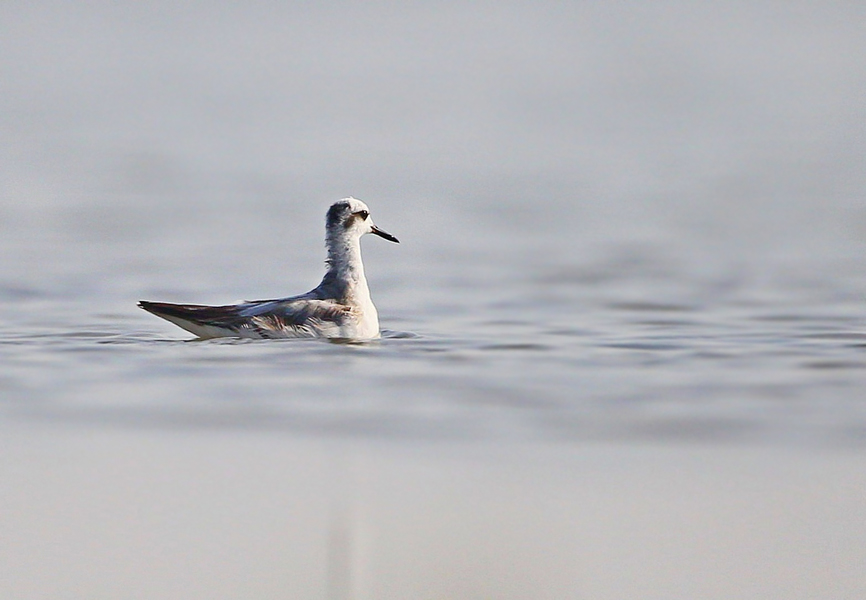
544,341
624,346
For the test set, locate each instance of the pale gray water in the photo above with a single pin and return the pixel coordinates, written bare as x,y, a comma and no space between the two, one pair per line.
621,224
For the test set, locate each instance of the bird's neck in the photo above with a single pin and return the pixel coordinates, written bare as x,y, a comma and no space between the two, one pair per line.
346,270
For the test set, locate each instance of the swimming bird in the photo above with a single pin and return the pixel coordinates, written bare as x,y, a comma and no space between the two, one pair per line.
339,307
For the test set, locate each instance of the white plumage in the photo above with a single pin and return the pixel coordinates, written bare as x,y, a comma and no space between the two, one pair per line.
339,307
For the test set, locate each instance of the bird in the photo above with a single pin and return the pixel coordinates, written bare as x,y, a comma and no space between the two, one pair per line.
340,307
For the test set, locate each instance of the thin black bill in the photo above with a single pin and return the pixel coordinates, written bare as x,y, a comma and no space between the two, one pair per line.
384,234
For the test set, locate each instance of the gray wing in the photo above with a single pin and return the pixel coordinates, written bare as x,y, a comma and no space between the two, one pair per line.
295,317
300,316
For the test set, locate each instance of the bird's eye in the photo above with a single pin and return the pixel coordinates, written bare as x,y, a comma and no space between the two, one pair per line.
363,214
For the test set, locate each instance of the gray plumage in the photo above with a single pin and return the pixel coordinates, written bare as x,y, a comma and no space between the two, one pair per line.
339,307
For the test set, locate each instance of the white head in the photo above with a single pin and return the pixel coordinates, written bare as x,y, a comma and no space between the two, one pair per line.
349,218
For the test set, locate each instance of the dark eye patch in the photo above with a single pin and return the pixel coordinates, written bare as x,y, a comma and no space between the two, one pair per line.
335,213
362,214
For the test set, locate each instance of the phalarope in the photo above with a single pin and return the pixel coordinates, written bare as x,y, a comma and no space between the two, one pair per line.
339,307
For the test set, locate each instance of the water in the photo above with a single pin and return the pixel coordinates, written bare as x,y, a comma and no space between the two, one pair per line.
632,243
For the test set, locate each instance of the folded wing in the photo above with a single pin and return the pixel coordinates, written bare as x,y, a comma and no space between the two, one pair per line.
290,317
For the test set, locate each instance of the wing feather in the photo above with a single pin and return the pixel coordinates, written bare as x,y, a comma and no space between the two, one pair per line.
290,317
